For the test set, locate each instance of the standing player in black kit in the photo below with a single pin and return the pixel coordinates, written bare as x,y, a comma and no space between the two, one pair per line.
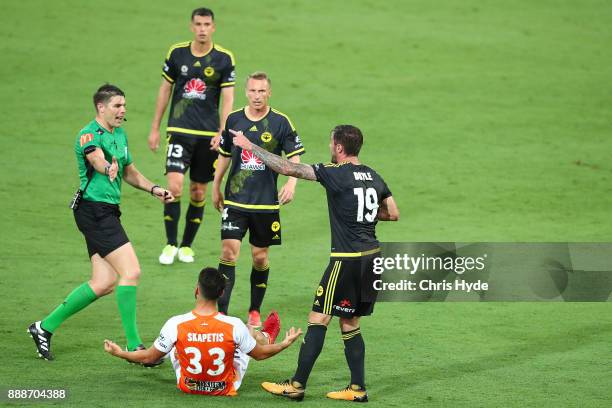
357,198
251,201
196,74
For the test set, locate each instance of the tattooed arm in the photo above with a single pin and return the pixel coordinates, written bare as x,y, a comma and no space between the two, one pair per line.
276,163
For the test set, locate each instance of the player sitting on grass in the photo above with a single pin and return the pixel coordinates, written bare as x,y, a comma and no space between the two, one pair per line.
210,351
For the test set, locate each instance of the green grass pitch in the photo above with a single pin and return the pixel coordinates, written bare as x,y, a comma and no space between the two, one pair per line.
489,120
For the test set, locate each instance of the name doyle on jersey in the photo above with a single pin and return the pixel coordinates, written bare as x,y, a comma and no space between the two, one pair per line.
359,175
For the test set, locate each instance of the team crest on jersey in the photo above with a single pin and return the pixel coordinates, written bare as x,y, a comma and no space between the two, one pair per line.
275,226
320,291
250,161
194,89
209,71
266,137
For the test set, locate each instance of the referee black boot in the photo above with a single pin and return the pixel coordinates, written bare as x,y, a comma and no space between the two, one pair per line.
42,340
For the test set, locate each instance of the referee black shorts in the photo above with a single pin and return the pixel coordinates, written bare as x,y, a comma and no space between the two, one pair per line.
99,223
346,288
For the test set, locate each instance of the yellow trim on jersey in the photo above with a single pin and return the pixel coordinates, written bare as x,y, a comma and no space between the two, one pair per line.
354,254
294,153
331,288
286,117
167,77
224,153
335,164
177,45
228,52
253,206
191,131
226,84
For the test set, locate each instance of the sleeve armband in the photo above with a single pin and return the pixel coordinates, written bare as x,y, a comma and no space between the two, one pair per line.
89,149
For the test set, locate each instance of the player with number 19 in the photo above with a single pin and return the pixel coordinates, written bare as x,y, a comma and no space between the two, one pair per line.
357,198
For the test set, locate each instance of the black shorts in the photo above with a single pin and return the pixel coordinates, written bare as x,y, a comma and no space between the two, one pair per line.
187,152
264,228
99,223
346,288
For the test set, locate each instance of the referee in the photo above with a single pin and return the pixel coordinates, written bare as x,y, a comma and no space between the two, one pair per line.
104,161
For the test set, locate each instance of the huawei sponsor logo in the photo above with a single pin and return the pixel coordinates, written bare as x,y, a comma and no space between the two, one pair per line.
250,161
194,89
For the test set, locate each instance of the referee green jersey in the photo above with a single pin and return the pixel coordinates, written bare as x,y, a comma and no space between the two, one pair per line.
114,144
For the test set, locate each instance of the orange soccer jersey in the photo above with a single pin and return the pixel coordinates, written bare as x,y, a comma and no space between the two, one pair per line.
209,352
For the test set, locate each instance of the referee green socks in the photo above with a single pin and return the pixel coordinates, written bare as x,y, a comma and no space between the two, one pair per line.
83,296
77,300
126,300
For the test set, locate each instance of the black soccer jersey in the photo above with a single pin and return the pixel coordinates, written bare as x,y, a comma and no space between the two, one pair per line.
251,185
197,88
354,193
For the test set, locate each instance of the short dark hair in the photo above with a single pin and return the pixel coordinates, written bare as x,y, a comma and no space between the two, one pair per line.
211,283
259,75
203,12
105,93
350,137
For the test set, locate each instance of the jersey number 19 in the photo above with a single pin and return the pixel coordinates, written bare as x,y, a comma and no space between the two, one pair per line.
367,199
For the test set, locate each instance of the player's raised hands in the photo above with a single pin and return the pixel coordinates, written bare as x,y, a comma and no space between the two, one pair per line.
291,336
113,170
240,140
111,347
